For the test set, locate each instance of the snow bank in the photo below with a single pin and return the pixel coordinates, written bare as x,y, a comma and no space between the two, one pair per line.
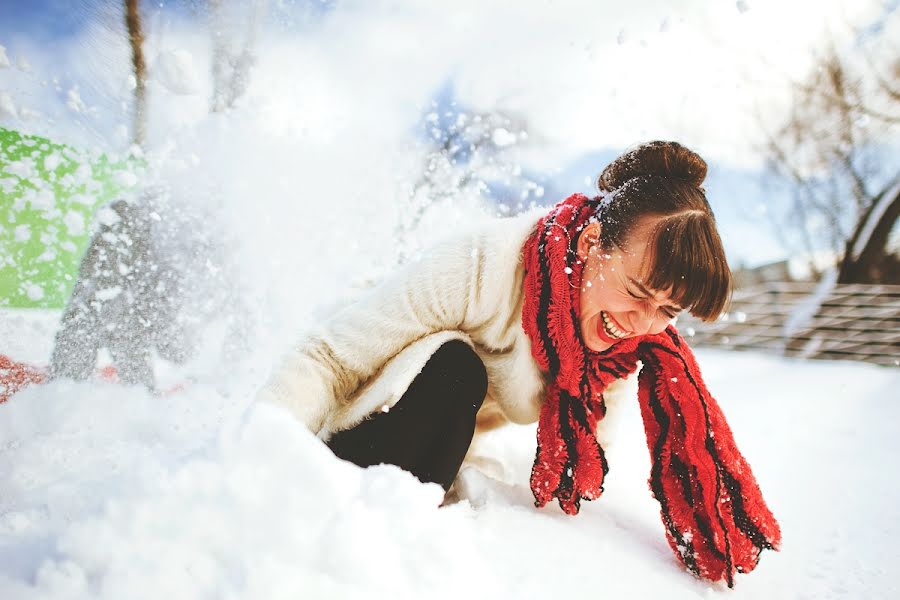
109,492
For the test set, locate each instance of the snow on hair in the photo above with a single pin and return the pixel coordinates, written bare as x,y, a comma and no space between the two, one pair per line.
663,180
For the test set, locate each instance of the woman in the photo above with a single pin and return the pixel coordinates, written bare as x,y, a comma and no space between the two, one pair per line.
531,319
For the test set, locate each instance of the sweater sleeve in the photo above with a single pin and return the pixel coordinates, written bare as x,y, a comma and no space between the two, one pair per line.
441,291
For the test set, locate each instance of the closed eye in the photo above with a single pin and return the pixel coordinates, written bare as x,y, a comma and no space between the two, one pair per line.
669,312
635,296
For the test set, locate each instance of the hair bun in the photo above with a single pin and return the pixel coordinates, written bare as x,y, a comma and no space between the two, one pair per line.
667,159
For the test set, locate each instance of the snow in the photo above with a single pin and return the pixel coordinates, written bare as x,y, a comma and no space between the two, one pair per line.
23,168
33,291
42,200
4,60
503,137
125,179
109,492
74,222
176,71
74,101
22,233
108,293
806,309
7,106
52,161
107,216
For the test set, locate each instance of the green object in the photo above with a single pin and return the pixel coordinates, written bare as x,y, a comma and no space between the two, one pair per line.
49,193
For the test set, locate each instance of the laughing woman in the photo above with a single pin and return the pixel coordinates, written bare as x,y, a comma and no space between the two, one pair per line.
533,319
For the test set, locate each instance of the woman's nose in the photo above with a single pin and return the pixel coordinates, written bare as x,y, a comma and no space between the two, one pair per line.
641,323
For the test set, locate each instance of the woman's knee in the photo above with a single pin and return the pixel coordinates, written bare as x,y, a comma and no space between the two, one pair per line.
458,369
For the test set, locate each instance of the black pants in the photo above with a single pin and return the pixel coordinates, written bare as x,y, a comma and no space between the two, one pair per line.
429,430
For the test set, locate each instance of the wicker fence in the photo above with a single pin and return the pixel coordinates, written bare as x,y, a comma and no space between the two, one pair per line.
852,322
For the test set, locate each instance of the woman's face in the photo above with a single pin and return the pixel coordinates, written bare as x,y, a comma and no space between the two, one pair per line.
615,303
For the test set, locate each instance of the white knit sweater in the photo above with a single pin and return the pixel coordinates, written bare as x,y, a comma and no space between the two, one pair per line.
364,357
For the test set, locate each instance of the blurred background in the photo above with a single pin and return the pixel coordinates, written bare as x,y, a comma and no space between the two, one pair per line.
279,154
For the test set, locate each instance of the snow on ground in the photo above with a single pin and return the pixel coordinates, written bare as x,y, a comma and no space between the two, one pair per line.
110,492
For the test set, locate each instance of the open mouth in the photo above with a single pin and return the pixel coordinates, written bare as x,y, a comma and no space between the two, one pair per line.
610,328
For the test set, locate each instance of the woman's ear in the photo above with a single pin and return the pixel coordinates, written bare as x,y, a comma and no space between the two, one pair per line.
590,236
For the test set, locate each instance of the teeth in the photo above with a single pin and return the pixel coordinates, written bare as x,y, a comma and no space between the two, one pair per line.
611,329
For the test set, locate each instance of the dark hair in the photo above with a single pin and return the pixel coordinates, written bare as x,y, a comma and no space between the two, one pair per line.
685,252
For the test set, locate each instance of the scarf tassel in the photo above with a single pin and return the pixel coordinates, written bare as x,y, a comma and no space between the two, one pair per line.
715,518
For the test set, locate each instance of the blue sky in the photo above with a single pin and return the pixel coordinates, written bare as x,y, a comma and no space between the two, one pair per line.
46,20
50,20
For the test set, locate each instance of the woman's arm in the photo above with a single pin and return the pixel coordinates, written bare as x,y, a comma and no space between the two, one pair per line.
444,290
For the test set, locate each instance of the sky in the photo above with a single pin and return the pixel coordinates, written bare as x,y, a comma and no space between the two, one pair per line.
588,78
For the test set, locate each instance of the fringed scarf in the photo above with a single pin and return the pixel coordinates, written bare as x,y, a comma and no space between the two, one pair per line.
714,515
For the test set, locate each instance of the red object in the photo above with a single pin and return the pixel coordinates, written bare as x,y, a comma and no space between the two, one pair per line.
108,373
715,518
15,375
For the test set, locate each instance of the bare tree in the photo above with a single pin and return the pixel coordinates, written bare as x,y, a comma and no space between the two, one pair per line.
836,150
139,65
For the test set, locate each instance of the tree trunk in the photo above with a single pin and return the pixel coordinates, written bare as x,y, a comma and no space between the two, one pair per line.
866,257
136,37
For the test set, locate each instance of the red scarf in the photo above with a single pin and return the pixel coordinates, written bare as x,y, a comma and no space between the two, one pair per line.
715,518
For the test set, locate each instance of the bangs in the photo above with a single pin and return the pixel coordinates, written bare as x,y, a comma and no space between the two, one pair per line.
686,256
